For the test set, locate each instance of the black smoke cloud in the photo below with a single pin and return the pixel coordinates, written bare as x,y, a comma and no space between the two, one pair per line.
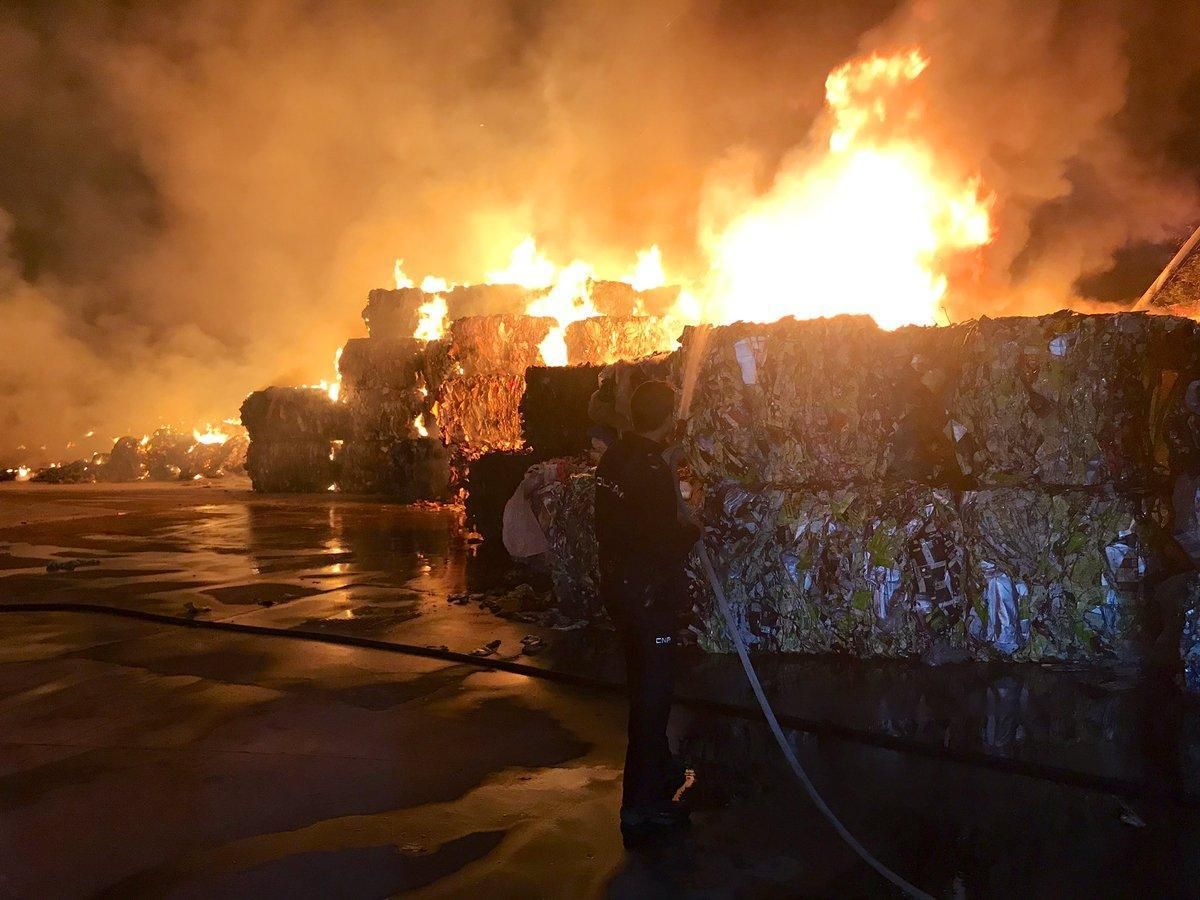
196,197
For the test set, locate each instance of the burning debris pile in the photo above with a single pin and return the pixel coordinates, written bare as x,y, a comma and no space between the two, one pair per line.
164,455
995,489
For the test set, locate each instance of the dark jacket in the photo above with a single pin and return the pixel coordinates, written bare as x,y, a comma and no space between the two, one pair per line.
643,546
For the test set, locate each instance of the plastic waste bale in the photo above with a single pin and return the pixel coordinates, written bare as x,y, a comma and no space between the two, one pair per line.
566,506
873,571
1190,638
1067,399
290,466
1057,575
293,414
822,401
374,363
384,413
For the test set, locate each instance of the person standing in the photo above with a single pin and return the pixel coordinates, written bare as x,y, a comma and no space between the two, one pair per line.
645,533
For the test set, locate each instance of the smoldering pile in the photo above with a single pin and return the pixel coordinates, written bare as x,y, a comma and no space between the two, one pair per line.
164,455
997,489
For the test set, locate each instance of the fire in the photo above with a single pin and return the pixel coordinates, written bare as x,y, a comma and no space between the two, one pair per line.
402,280
526,267
648,273
209,435
866,228
419,424
432,322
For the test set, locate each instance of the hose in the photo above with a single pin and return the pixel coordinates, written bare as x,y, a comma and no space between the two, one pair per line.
788,752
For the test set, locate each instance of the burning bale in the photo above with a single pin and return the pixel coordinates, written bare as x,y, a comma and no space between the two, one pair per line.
554,409
167,454
393,314
499,344
601,340
292,414
126,461
374,363
481,413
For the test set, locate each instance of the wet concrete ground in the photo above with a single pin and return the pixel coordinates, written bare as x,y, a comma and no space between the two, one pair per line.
147,760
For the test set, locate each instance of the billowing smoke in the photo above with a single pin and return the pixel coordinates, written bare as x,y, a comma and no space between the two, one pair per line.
196,197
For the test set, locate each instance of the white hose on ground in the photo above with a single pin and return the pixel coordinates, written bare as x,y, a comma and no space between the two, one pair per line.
780,739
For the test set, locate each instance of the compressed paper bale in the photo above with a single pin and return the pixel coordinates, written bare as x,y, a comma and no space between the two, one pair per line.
1068,399
293,414
490,480
613,298
821,401
554,408
383,414
657,301
290,466
374,363
487,300
601,340
394,314
866,571
1059,575
407,470
481,413
493,345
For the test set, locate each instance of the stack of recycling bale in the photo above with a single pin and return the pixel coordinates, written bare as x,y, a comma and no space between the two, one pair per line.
291,430
602,340
478,405
996,489
387,389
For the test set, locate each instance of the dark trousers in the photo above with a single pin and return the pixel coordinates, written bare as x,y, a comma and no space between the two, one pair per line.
650,778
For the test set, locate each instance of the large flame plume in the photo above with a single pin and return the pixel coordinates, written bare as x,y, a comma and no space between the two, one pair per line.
866,227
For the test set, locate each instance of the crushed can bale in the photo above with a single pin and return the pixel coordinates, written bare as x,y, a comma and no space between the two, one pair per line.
497,344
290,466
601,340
820,401
856,570
1059,574
554,409
481,413
1069,399
283,414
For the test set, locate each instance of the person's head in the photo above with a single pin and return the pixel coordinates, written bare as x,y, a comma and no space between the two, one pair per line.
651,409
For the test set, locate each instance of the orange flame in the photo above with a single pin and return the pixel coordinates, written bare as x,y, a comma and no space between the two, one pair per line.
865,229
209,435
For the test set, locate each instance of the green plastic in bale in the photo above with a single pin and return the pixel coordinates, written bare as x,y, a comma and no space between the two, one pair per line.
1068,399
866,571
1059,574
821,401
